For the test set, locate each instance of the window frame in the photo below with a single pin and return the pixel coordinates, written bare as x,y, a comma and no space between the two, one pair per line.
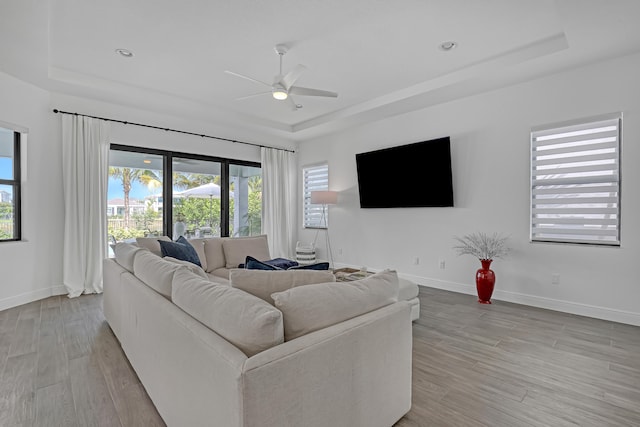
595,185
307,206
168,156
16,183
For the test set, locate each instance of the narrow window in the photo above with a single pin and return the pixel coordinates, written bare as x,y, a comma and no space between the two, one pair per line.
9,185
245,200
315,178
575,182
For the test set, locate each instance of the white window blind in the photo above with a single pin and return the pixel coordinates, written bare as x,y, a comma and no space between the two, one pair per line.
315,178
575,182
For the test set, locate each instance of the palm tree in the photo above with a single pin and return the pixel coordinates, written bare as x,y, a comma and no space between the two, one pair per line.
128,176
255,184
185,181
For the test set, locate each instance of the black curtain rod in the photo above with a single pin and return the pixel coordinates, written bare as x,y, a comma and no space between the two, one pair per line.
55,110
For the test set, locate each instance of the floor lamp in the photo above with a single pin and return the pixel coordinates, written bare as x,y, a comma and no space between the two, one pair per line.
324,198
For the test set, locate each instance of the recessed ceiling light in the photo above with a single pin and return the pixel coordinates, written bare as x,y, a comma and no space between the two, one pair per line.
125,52
446,46
147,161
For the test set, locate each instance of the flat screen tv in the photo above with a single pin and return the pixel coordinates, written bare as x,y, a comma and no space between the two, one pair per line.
406,176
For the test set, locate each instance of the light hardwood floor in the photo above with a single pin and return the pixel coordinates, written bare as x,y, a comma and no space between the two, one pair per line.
473,365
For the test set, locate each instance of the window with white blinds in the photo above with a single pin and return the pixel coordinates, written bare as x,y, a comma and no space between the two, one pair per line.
315,178
575,182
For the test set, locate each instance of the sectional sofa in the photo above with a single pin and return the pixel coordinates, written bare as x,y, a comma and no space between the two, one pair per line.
215,351
218,255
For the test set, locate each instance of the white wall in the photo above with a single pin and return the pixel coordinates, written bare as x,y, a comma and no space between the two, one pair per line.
490,149
32,269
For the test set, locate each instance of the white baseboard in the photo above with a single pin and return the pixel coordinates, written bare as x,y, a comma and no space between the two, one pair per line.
28,297
614,315
605,313
580,309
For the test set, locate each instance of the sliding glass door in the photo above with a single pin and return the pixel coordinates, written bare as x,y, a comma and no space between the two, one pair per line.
208,196
197,198
134,197
245,194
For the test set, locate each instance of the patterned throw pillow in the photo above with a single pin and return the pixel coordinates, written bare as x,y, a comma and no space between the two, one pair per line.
180,249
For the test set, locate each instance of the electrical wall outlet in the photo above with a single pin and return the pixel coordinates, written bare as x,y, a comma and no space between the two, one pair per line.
416,261
441,264
555,279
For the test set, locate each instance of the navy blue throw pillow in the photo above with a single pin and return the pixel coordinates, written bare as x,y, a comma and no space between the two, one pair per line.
282,263
250,263
184,241
318,266
279,263
180,249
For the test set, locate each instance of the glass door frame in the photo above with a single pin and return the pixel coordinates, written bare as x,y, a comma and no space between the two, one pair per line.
167,182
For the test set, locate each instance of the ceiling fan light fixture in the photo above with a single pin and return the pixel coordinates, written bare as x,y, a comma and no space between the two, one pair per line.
280,94
283,84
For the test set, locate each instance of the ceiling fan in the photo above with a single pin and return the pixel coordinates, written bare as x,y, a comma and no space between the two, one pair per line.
283,85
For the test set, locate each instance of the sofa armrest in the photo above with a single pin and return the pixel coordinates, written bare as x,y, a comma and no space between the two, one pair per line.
190,373
355,373
111,306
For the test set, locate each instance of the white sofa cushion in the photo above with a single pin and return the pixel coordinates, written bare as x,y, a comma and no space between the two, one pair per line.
155,272
237,249
214,254
407,290
245,321
222,273
217,279
151,243
198,245
189,265
125,254
313,307
263,283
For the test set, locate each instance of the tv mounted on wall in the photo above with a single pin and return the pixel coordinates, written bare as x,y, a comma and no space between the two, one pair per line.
406,176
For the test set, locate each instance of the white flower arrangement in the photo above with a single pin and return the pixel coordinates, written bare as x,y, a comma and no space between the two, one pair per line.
482,245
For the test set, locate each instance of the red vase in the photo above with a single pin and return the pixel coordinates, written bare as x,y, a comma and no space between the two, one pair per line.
485,280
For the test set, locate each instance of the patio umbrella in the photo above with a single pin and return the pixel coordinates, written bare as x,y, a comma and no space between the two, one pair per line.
209,191
206,190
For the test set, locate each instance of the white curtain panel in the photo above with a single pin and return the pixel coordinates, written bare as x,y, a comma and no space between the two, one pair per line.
85,161
279,201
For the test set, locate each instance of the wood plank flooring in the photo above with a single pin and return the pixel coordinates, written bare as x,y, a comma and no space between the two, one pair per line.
511,365
60,365
473,365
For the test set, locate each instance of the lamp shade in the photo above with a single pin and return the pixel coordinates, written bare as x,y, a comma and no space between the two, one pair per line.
324,197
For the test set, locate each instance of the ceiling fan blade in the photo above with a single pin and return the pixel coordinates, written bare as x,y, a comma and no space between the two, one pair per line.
251,79
252,96
305,91
290,78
